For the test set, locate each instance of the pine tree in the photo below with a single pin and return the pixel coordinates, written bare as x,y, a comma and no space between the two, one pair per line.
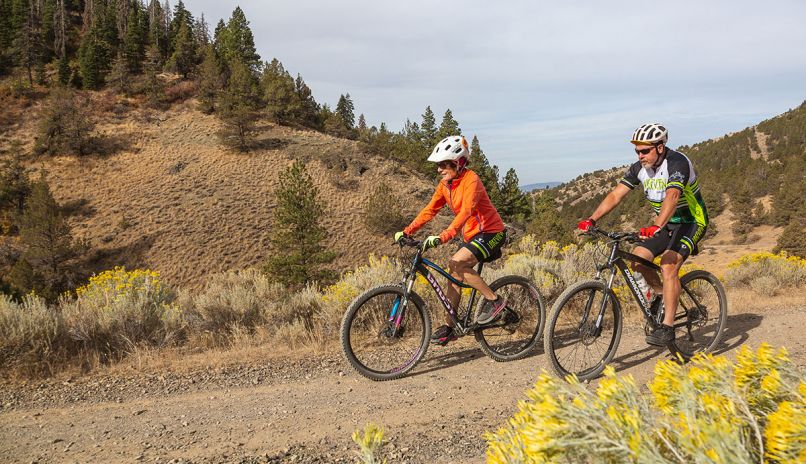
448,127
299,255
235,42
64,70
118,77
282,101
27,43
488,174
308,108
211,80
181,18
65,127
429,129
154,87
346,111
46,265
237,108
89,61
514,203
183,60
135,40
15,187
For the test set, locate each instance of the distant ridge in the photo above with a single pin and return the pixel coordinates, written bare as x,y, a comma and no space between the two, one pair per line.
539,185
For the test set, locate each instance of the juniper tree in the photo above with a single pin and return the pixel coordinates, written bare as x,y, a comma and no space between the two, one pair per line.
298,253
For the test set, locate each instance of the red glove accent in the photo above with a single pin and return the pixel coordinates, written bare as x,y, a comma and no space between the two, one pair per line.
586,224
648,232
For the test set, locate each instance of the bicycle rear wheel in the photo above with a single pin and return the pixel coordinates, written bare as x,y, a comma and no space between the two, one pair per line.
374,344
572,342
515,333
701,314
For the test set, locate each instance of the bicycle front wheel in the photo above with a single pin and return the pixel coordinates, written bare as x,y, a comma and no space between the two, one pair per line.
515,333
381,338
576,342
701,314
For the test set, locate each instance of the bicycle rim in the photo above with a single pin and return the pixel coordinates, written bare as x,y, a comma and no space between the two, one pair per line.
571,343
373,342
514,334
701,314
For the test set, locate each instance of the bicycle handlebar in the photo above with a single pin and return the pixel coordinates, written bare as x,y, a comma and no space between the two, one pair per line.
631,237
410,242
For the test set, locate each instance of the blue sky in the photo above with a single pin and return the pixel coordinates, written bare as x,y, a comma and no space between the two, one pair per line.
553,89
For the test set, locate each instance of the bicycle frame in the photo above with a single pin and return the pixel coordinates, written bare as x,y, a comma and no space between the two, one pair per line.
617,259
420,265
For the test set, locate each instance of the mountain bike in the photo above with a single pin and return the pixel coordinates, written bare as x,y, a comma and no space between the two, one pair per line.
387,329
585,323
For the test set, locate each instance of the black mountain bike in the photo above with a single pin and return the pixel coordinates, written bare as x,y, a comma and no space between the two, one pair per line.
584,326
387,329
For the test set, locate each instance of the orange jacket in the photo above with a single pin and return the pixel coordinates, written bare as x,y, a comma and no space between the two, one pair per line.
469,201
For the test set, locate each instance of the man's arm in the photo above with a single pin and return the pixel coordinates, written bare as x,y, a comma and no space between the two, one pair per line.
668,206
611,201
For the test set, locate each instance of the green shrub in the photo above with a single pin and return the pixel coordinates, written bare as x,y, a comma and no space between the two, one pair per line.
708,411
759,270
30,333
383,212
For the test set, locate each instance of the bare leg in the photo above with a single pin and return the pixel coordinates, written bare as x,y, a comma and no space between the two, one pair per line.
670,264
461,267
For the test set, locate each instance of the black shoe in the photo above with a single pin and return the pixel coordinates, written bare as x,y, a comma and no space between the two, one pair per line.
443,335
661,336
490,310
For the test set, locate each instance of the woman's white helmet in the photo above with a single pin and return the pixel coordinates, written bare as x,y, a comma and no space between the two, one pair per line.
650,134
450,149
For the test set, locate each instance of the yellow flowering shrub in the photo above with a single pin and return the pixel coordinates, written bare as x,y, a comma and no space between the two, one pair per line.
370,444
711,410
119,309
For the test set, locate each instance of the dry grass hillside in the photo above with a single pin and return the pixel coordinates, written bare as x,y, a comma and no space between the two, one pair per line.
173,199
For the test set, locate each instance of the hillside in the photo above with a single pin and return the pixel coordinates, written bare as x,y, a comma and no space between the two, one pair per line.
751,181
173,199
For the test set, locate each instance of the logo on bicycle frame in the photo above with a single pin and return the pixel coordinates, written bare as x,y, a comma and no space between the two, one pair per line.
439,291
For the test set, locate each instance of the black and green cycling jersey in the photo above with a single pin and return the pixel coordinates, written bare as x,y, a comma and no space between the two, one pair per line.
673,171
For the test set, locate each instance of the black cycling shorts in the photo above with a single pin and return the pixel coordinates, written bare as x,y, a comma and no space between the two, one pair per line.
681,238
486,247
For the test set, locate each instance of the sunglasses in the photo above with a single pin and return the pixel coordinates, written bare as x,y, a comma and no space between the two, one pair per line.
445,164
644,151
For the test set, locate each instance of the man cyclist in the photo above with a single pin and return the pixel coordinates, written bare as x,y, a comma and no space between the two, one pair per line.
671,186
482,229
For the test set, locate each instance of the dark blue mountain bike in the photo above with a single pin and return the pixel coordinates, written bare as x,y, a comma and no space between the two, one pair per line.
387,329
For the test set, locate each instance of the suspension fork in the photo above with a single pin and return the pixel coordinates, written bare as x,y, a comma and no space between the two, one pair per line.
401,303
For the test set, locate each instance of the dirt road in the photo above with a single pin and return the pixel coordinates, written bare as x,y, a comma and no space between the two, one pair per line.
305,410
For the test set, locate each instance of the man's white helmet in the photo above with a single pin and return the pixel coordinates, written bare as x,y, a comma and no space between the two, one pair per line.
650,134
450,149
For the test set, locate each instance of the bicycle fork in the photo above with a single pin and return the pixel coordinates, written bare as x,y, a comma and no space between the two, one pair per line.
595,330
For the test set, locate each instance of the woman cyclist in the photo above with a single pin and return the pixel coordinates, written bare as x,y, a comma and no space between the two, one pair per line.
483,231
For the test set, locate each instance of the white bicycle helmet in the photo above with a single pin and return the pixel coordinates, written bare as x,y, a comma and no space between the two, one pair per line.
450,149
650,134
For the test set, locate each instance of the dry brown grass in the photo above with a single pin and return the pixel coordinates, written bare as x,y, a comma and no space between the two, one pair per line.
172,199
